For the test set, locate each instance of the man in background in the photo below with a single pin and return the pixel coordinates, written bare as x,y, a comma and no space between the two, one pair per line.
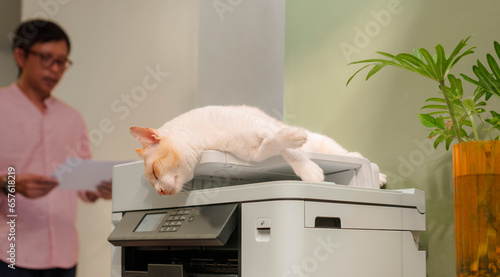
38,235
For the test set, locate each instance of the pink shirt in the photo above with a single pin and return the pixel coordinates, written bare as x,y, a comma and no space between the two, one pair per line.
36,142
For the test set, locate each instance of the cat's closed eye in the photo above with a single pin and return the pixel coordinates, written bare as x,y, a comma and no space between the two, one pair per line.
154,173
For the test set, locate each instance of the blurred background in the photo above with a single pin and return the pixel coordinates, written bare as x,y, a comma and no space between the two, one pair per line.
287,57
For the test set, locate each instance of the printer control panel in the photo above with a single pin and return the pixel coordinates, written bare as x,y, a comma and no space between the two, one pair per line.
208,225
175,220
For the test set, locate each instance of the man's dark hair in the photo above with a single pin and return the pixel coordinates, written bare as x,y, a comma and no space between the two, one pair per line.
38,30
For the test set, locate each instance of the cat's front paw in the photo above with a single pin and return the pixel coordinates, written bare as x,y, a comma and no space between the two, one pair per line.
311,172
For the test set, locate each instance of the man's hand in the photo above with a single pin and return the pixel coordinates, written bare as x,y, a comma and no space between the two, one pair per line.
103,191
34,186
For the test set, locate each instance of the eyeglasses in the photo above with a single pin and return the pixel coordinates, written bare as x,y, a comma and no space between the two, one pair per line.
48,60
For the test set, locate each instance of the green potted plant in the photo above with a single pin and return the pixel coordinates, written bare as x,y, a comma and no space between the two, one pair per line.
476,163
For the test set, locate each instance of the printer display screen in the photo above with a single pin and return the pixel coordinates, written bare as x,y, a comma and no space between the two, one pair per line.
149,222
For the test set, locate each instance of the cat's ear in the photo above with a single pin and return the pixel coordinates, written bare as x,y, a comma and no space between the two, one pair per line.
146,136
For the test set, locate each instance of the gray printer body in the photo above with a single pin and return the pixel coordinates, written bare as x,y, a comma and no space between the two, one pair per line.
257,220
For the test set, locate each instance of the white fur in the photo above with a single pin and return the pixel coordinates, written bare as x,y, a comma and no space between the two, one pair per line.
244,131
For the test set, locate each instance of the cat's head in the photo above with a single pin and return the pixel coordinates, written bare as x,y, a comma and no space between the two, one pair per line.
164,165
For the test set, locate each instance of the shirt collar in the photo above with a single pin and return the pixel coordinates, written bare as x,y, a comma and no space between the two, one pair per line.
49,101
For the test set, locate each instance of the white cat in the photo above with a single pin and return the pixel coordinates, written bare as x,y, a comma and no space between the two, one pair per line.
171,152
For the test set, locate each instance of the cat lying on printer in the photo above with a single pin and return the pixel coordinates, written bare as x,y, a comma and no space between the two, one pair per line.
171,152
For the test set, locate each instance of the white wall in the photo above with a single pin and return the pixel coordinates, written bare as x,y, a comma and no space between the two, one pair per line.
241,55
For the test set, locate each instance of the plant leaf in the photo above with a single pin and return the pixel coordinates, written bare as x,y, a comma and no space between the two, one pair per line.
478,93
456,86
458,48
440,100
440,107
493,66
495,120
440,123
469,105
448,142
387,62
440,112
470,80
486,79
468,52
348,81
431,66
374,70
496,45
438,140
427,120
441,62
391,56
415,61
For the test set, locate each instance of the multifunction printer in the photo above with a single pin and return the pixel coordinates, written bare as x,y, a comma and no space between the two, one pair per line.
259,220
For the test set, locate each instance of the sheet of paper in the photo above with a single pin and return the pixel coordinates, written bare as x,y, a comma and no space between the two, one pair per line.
80,174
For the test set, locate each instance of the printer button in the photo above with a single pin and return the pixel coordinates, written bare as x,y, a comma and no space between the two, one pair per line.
263,222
